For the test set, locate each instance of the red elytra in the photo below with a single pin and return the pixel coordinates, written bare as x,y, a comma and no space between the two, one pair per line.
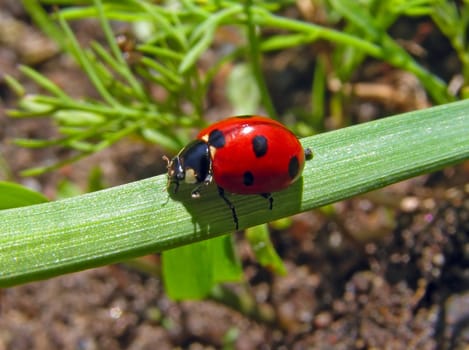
259,155
243,155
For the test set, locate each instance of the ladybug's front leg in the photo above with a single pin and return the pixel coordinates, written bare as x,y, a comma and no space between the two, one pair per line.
176,187
196,191
269,197
221,192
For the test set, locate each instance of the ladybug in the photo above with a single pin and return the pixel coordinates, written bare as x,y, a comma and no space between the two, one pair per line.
242,155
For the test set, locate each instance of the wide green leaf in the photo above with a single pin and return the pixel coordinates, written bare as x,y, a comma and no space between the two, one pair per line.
119,223
192,271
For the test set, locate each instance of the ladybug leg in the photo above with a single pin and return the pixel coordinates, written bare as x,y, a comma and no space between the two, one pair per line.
208,179
221,192
168,185
176,187
269,197
196,191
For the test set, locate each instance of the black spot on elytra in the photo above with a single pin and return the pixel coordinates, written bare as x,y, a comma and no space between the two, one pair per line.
216,139
248,178
259,145
293,167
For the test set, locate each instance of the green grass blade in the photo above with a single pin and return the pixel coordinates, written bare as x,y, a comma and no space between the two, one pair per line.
119,223
44,82
13,195
85,62
42,19
122,66
203,36
388,51
262,247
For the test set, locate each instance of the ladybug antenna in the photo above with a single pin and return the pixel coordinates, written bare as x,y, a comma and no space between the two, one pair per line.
168,165
167,160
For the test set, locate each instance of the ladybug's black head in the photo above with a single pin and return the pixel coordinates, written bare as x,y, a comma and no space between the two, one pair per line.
192,164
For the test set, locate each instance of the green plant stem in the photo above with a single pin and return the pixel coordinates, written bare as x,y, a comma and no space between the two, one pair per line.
390,52
254,59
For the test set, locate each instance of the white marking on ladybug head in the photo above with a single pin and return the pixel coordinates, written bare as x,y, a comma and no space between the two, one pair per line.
191,176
